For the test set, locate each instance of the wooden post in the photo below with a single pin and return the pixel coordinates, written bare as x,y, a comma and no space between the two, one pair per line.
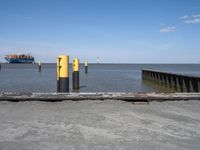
39,66
86,67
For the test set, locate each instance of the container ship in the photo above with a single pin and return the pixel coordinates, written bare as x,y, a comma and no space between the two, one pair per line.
14,58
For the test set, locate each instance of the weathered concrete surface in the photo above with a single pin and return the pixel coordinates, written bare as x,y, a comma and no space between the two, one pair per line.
132,97
99,125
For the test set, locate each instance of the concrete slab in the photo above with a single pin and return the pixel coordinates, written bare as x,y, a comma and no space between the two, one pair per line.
99,125
132,97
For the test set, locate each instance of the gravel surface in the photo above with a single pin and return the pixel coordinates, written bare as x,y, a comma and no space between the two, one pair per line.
99,125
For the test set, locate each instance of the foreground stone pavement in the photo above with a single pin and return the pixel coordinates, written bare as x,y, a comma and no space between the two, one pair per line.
100,125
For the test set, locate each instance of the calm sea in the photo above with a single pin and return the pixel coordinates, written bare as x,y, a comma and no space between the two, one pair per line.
100,77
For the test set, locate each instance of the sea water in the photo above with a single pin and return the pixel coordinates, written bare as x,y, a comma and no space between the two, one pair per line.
100,77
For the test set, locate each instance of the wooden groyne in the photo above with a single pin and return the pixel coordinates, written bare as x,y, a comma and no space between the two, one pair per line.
131,97
175,82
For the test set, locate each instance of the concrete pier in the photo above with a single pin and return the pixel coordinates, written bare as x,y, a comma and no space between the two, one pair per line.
172,81
99,125
130,97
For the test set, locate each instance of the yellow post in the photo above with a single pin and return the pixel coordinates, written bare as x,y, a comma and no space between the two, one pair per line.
86,67
63,73
75,74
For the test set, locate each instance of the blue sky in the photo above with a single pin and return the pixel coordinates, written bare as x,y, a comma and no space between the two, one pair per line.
118,31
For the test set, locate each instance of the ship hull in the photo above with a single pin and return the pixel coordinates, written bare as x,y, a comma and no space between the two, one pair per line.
13,60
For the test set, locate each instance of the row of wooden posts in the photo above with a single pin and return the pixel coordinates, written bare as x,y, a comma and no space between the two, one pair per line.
172,81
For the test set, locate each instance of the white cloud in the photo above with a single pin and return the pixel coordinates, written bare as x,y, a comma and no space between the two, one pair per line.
196,16
168,29
193,19
184,17
162,24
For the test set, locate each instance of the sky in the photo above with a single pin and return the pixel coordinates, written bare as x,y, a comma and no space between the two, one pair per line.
117,31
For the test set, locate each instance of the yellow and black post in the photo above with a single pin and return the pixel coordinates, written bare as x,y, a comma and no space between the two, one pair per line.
75,74
39,66
86,67
63,73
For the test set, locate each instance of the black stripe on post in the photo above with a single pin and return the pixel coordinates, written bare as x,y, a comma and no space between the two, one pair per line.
63,84
86,69
39,68
75,80
58,85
